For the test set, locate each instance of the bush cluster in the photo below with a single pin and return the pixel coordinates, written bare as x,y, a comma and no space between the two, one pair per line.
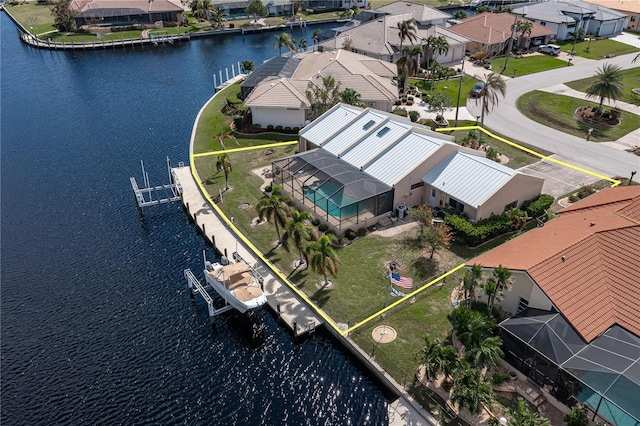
361,232
537,206
350,234
323,227
476,233
400,111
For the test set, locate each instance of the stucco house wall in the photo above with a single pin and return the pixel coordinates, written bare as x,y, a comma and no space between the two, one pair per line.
522,287
289,117
520,188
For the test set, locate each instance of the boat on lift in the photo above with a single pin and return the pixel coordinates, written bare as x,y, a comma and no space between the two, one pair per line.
238,283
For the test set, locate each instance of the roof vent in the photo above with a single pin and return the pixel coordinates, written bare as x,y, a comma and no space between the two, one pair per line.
563,258
383,131
592,224
368,125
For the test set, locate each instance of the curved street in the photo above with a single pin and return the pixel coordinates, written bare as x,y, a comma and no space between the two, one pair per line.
508,121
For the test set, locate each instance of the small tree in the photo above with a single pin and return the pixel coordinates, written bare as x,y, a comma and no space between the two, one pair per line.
322,96
438,358
423,214
487,353
225,165
63,16
316,36
470,282
247,66
576,417
494,84
607,84
470,389
351,97
436,236
521,416
256,9
299,231
217,17
323,258
274,207
439,102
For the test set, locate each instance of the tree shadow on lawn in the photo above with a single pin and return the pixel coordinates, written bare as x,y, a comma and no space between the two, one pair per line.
321,297
213,179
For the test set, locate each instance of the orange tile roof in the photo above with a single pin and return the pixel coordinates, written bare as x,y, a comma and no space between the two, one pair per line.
490,28
587,261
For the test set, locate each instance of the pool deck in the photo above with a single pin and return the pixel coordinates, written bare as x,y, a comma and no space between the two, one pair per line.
282,300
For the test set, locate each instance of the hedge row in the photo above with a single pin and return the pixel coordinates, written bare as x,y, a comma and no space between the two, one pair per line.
476,233
537,206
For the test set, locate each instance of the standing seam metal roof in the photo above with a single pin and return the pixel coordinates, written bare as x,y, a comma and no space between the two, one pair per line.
323,128
352,132
469,178
376,142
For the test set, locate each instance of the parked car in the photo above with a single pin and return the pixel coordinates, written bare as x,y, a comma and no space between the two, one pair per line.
477,89
550,49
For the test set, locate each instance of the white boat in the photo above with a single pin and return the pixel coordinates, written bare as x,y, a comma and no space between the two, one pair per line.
237,283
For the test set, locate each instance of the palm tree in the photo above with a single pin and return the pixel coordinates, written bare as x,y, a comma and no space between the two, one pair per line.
523,27
437,358
495,286
435,46
274,207
351,97
225,165
324,259
407,31
302,44
494,84
316,36
576,35
607,84
413,59
487,353
299,231
470,282
475,330
470,389
284,40
491,290
200,8
217,17
521,416
247,66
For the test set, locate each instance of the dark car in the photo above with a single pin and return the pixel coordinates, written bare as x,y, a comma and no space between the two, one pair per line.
475,92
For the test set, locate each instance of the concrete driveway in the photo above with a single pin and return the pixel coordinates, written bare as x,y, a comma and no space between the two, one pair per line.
558,179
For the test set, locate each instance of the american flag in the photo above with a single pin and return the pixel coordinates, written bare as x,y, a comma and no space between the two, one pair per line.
400,281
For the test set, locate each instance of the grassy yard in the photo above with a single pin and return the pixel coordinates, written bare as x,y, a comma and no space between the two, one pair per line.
598,49
34,18
527,64
450,87
630,80
557,111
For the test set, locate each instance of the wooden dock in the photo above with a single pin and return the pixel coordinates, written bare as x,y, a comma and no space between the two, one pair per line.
33,41
294,312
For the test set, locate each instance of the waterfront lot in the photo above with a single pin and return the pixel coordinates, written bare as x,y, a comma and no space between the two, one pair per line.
597,49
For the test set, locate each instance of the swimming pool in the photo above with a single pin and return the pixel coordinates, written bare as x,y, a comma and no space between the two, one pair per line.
329,196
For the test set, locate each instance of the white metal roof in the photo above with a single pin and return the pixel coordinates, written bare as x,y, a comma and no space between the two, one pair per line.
379,139
469,178
404,156
351,134
325,126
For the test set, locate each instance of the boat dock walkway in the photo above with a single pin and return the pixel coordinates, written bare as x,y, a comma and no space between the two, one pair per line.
283,301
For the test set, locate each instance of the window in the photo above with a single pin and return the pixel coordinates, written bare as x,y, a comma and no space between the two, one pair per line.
417,185
511,206
522,305
433,192
456,205
633,18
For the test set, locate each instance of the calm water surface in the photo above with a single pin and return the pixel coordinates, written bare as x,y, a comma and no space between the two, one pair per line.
97,325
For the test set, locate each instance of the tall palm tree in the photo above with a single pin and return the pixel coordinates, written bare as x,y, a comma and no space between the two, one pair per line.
487,353
413,54
435,46
351,97
200,8
274,207
316,36
491,290
521,416
217,17
438,358
470,281
407,31
247,66
302,44
477,328
299,231
494,84
607,84
284,40
575,36
470,389
323,258
224,164
524,27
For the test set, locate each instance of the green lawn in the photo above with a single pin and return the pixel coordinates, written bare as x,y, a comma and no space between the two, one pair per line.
598,49
630,80
527,64
557,111
449,86
34,18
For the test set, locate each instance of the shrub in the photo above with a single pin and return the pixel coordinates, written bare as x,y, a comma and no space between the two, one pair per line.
585,191
330,232
323,227
232,25
287,129
270,127
361,232
573,198
278,128
409,103
476,233
237,122
296,129
401,112
397,102
537,206
410,98
233,100
268,188
315,221
414,115
350,234
499,378
256,127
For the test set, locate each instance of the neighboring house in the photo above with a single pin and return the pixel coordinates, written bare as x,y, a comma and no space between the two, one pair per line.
565,17
423,15
282,100
576,300
379,39
629,8
237,9
356,165
125,12
491,33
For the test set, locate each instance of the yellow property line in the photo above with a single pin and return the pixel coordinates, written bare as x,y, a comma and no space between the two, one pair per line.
396,303
246,148
254,248
614,182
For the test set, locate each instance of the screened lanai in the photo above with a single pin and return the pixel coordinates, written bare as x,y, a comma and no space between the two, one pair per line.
603,375
333,189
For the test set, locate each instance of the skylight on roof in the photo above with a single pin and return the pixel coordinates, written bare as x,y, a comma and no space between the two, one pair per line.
384,131
368,125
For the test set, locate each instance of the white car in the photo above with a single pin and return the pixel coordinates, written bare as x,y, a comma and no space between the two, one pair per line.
550,49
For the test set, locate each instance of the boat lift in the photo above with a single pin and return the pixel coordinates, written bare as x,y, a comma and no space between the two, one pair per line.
197,288
162,194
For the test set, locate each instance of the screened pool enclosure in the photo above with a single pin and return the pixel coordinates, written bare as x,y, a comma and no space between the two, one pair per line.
603,375
332,189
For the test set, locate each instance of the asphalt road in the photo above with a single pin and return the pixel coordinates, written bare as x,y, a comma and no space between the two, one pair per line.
508,121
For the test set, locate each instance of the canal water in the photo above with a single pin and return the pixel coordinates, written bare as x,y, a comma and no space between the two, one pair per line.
97,325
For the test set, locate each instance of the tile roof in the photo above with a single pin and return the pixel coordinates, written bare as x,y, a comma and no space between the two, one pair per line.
469,178
621,5
419,12
278,93
490,28
586,261
83,6
558,11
